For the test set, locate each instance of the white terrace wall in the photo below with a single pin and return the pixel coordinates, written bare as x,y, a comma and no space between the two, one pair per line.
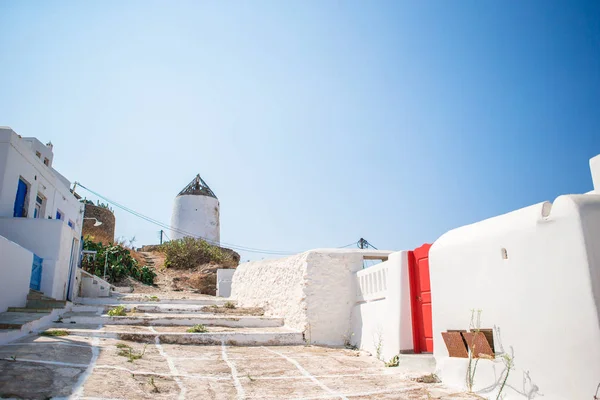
535,274
50,239
15,273
381,317
314,291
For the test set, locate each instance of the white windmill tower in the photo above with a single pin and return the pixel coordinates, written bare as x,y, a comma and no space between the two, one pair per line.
196,213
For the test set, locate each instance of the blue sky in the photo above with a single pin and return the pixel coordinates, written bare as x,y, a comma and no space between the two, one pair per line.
315,122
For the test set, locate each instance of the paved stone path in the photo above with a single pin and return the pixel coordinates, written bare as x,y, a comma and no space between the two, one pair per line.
39,367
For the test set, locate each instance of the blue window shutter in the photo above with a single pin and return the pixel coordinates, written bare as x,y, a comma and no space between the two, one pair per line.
19,210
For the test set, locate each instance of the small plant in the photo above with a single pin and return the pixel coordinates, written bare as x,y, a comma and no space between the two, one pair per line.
13,358
153,385
54,332
127,351
59,320
431,378
394,362
250,378
509,363
229,305
475,326
153,298
118,311
197,329
379,346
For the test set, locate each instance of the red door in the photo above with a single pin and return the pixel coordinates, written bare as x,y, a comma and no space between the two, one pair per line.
420,298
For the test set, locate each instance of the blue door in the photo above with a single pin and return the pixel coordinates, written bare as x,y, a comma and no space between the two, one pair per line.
36,273
20,199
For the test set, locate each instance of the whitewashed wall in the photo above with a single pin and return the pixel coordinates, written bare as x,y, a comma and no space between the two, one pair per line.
595,169
543,297
314,291
15,274
50,239
198,215
224,277
18,159
381,317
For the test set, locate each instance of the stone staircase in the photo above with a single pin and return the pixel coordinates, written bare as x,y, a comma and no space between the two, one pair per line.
168,320
38,311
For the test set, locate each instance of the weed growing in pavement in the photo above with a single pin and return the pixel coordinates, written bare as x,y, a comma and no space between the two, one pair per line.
249,377
118,311
379,345
13,358
509,364
153,385
348,342
127,351
229,305
197,329
54,332
394,362
153,298
431,378
475,327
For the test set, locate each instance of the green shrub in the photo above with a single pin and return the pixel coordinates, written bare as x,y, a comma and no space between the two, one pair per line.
118,311
54,332
197,329
120,263
189,253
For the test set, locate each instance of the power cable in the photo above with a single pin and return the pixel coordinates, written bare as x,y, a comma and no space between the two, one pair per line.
163,225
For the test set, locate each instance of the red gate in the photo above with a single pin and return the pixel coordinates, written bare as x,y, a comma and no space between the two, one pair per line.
420,299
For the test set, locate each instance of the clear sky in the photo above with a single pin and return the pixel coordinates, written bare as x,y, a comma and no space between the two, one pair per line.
315,122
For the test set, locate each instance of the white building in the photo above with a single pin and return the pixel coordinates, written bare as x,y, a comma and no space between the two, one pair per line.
39,213
196,213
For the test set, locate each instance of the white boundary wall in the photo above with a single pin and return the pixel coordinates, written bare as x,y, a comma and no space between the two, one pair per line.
381,317
543,298
224,277
314,291
15,274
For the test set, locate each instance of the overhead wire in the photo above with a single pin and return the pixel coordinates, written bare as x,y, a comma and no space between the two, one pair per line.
181,231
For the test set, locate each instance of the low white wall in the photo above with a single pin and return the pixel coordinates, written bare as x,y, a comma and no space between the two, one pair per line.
15,274
314,291
50,239
224,277
535,274
595,170
381,317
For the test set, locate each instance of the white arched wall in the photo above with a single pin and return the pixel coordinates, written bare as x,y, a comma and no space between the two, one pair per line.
197,216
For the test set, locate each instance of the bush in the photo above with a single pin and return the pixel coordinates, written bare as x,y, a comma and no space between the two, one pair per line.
120,263
189,253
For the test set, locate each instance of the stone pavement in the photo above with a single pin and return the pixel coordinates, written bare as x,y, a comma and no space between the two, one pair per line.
39,367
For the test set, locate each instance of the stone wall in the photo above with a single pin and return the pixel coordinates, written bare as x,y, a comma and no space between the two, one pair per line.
106,231
314,291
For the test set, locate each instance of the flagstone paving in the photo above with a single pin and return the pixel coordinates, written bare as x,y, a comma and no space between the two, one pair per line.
39,367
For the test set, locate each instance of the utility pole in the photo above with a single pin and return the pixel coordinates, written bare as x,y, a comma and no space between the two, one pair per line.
161,235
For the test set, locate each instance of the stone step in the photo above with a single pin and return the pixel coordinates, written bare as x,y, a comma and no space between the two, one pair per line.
156,308
29,310
46,304
172,335
240,321
15,320
38,296
136,300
